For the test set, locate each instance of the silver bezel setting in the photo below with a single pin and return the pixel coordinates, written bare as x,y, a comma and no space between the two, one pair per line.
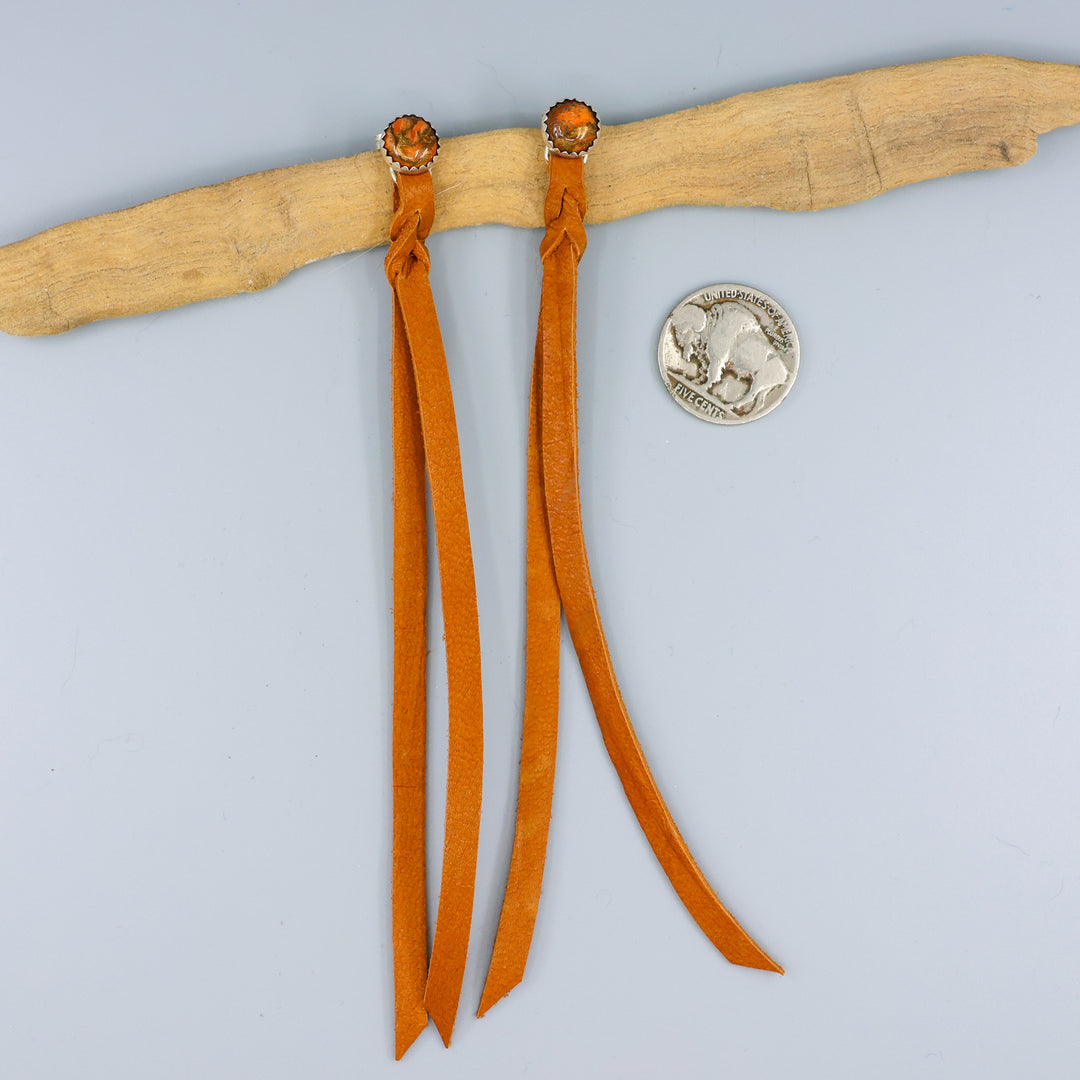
550,148
396,166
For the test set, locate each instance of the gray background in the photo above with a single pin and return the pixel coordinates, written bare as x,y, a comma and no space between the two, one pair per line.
847,633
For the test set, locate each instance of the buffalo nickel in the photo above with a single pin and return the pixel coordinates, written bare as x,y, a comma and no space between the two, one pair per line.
728,354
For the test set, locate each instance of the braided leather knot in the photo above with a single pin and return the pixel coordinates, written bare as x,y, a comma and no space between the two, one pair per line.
564,207
406,247
413,218
565,220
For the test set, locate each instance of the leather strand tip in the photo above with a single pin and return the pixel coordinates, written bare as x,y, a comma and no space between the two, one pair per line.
403,1039
445,1031
772,966
492,995
760,962
443,1018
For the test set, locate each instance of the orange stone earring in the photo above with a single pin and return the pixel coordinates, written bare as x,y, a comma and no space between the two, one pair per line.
557,581
426,443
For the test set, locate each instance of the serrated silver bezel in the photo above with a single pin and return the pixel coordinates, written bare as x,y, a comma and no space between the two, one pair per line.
396,166
550,149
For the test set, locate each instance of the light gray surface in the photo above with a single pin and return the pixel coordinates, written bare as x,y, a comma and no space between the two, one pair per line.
847,633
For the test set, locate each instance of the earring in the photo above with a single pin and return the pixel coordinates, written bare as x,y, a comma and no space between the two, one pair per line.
558,580
426,442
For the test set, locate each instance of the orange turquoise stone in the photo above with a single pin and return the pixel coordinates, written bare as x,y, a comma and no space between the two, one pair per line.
410,142
572,127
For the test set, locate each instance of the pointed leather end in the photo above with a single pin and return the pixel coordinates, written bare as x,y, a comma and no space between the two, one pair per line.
758,960
769,965
407,1031
493,993
442,1013
445,1029
442,994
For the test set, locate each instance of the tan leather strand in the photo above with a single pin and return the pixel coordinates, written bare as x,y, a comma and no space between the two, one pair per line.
409,889
418,337
561,250
539,734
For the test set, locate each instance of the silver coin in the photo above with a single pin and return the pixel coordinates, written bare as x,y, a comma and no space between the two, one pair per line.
728,354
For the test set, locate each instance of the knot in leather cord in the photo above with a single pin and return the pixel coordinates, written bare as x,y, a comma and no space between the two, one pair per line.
414,214
564,207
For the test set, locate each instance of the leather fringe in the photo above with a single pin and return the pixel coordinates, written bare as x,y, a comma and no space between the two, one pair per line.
425,440
558,564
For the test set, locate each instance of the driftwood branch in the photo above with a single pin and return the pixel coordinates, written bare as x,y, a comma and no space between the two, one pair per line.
802,147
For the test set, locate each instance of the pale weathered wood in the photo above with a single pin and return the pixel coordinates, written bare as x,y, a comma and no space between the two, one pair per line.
801,147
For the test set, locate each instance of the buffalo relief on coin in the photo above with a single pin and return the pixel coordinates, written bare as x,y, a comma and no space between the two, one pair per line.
728,354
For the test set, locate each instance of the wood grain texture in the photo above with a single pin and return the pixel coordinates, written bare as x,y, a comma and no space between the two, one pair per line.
801,147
